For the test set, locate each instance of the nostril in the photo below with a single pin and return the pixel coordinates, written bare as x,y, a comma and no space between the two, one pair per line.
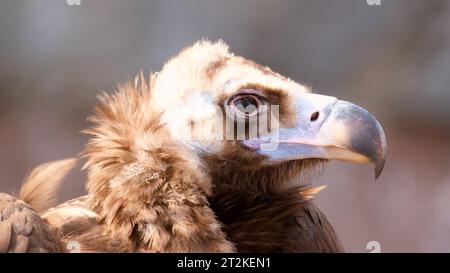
314,116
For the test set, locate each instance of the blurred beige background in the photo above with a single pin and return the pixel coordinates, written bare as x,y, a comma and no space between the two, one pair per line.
393,59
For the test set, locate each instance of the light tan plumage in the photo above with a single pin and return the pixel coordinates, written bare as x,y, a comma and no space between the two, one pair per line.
146,192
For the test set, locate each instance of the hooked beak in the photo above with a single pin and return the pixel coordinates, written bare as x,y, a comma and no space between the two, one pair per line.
326,128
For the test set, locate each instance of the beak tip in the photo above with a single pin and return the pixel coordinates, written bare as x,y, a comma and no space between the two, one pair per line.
379,166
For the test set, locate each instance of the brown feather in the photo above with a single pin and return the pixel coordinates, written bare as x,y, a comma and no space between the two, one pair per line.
22,230
280,222
147,190
42,184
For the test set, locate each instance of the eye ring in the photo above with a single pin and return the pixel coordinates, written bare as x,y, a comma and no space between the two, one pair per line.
245,104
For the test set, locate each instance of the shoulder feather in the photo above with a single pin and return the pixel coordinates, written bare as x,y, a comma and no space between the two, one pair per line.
42,184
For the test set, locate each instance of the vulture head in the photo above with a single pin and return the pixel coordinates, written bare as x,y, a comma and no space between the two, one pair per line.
216,135
254,128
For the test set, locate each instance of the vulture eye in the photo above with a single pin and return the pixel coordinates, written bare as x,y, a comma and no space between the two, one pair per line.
246,104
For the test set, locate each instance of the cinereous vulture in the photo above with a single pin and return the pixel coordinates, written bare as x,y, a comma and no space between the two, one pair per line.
206,155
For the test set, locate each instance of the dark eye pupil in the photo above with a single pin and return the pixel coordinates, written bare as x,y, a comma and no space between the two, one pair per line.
246,104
